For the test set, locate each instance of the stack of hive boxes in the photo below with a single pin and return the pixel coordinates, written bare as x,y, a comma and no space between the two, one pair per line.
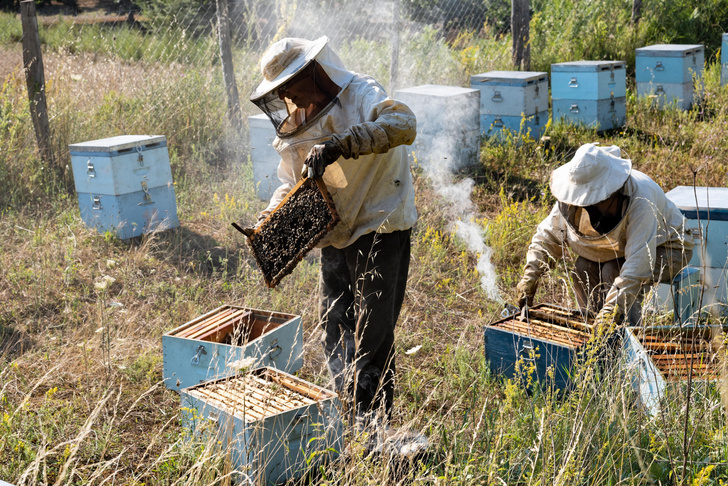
263,156
232,369
670,73
447,123
512,102
590,93
124,184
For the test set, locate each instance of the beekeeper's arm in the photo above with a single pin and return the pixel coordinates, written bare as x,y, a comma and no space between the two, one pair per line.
639,254
547,247
390,123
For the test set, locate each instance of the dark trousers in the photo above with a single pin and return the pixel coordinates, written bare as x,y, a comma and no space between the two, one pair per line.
593,280
362,288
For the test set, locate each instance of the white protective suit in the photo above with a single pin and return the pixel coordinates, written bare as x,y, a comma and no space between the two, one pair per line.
372,190
649,220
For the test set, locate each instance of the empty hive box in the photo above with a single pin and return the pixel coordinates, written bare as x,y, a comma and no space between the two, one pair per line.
548,339
213,345
292,229
658,358
273,425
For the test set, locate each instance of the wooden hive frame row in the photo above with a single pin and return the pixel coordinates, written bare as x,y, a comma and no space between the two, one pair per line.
675,356
217,325
262,393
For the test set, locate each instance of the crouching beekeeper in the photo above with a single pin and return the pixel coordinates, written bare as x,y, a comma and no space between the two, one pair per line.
342,126
626,234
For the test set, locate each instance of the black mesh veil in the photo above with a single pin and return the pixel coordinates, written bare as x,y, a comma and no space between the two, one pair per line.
298,102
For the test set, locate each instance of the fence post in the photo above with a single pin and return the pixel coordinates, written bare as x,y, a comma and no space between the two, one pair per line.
394,64
35,79
636,11
228,71
520,18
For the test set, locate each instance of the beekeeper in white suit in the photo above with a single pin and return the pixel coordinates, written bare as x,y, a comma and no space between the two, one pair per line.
344,128
625,233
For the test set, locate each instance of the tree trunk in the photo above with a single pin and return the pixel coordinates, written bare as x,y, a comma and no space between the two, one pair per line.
520,18
226,57
35,79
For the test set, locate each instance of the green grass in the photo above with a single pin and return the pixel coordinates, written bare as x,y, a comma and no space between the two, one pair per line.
81,398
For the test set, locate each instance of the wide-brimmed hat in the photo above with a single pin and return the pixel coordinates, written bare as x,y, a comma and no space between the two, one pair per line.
284,59
594,174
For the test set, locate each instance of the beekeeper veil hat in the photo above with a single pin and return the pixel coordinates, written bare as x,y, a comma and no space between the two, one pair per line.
290,63
594,174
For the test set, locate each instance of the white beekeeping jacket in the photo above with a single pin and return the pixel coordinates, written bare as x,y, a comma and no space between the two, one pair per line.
372,190
649,220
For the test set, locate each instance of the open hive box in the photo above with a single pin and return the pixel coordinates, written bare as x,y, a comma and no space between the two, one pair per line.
547,340
292,229
212,345
659,358
269,422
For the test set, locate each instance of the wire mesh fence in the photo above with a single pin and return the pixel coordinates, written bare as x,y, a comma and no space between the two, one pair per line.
110,54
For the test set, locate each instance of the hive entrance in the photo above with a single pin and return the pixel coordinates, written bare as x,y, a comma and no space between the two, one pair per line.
292,229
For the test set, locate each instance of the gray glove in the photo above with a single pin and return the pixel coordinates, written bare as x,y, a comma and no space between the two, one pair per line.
319,157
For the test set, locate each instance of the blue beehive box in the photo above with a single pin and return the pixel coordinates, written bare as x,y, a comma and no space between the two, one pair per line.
546,344
124,184
264,157
512,100
591,93
724,60
273,426
669,72
213,345
447,123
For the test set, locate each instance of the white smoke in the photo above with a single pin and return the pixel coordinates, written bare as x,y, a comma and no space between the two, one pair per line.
439,165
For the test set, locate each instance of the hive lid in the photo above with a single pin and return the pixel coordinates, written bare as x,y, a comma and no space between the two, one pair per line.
707,201
509,78
117,144
588,66
669,50
434,90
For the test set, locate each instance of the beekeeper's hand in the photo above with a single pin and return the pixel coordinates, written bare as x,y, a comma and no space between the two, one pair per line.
319,157
526,289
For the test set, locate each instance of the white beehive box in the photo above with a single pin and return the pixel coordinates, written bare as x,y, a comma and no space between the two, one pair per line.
273,423
215,344
124,184
657,359
724,60
590,93
706,209
669,72
264,157
447,122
